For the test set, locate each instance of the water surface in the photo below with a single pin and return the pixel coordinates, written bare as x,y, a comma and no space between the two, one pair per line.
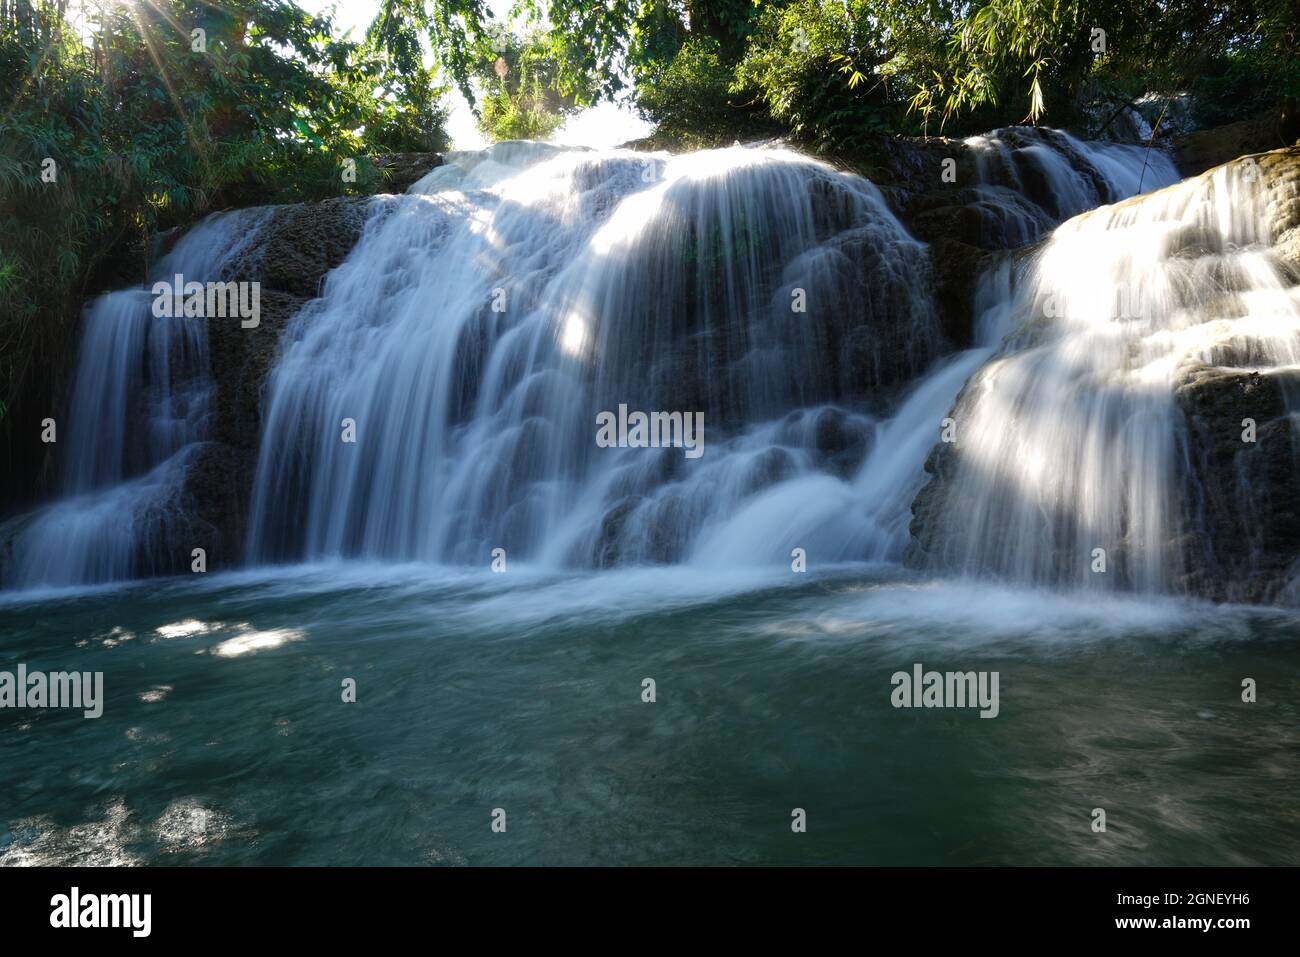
224,739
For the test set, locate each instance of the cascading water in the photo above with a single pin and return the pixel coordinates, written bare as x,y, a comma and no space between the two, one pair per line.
480,326
469,341
1032,178
139,407
755,286
528,289
1070,439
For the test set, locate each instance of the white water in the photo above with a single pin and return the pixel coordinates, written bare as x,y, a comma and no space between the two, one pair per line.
620,278
1070,439
662,284
1030,179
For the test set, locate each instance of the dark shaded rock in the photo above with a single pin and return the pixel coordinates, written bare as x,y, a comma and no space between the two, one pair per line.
957,268
841,442
671,515
892,335
1242,511
608,550
770,467
903,166
950,214
297,245
988,217
1280,170
1198,151
927,529
962,218
215,506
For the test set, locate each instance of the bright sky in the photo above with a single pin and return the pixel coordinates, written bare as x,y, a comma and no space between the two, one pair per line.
601,126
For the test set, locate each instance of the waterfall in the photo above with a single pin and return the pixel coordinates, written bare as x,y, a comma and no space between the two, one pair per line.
1032,178
140,405
1071,456
479,328
482,324
441,398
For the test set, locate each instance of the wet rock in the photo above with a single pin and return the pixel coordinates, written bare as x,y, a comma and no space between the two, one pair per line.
841,442
671,515
903,166
299,244
770,467
1238,502
957,267
215,508
929,533
608,549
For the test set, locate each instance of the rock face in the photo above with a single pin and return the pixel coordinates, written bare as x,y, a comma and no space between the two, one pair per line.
975,201
290,255
1242,499
1236,502
1200,150
910,172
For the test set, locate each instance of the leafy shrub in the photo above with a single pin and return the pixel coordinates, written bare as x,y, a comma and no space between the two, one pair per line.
695,100
813,65
521,100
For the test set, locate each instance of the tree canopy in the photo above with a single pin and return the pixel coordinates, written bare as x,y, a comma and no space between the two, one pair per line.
835,71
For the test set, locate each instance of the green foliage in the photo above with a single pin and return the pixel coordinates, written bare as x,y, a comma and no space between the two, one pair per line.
1000,40
1260,67
593,48
144,133
516,118
148,134
1046,55
812,64
599,45
457,30
872,66
691,100
1243,84
521,98
591,43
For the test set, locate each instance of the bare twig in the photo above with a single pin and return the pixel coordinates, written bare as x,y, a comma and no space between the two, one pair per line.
1155,129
